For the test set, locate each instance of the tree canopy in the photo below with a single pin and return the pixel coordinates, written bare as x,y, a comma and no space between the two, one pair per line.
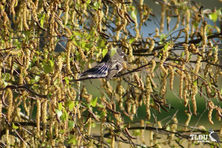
46,44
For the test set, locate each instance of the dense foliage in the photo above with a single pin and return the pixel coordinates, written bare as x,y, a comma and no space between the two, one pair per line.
46,44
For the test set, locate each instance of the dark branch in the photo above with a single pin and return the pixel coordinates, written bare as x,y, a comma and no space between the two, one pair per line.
26,87
194,41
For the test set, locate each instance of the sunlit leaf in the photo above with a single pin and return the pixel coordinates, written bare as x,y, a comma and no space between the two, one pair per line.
71,124
182,54
96,5
88,1
72,140
101,43
42,20
134,14
59,113
6,76
65,115
213,16
136,132
105,52
93,102
131,40
66,80
60,106
195,83
71,105
168,128
166,46
77,34
48,66
14,126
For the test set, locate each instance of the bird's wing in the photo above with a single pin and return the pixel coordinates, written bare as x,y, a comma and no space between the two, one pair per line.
100,70
114,70
215,136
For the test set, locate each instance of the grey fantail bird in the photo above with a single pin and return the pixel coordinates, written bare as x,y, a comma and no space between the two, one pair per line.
111,64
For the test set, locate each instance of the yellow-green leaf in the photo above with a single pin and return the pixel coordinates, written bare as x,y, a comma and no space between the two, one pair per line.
14,126
93,102
213,16
105,52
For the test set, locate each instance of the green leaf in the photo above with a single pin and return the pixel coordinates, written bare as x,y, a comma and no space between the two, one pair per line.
71,105
6,76
105,52
136,132
148,122
89,46
166,47
94,102
182,54
49,95
71,124
60,106
96,5
195,24
160,55
14,126
48,66
66,80
72,37
100,106
35,79
88,2
195,83
65,115
102,114
77,34
131,40
213,16
163,36
168,128
93,124
134,14
72,140
101,43
59,113
42,20
108,141
17,43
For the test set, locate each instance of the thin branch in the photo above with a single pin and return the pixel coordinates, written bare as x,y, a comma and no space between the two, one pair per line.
194,41
26,88
15,131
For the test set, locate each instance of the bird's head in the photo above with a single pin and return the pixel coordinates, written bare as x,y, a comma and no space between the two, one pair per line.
113,51
116,50
121,53
211,131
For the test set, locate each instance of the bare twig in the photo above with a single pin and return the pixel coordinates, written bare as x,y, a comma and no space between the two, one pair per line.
26,87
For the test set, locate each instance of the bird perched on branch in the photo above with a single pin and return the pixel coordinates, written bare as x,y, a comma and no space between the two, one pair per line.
111,64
